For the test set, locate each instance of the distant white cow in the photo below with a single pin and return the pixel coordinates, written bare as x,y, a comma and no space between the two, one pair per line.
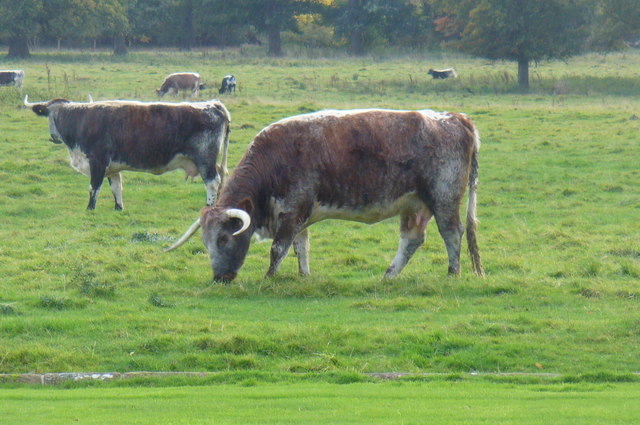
442,74
181,81
228,85
12,78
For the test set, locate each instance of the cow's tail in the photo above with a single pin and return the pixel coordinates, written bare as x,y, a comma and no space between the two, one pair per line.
472,222
225,146
190,231
223,162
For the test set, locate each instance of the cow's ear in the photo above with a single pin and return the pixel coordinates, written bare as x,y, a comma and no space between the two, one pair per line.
247,205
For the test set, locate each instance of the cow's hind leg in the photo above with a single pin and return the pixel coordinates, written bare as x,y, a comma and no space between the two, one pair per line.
451,229
115,182
301,248
412,234
97,172
207,168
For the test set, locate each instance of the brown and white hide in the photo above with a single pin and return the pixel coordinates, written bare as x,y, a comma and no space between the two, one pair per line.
181,81
107,137
361,165
12,78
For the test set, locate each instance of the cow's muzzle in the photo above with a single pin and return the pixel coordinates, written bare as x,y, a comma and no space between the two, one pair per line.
225,278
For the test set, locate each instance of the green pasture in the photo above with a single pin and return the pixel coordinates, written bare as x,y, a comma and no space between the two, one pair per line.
559,234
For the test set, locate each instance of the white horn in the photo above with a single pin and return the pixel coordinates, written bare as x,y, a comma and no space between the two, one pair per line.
242,215
90,98
190,231
26,101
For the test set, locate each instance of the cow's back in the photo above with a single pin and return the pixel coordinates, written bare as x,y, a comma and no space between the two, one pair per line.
364,157
147,134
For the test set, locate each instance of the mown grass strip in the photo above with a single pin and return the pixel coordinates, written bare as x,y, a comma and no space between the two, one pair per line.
441,402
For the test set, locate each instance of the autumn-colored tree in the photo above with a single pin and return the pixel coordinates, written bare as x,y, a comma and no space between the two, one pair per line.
518,30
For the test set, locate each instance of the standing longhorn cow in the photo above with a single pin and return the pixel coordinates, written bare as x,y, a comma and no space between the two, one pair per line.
12,78
107,137
361,165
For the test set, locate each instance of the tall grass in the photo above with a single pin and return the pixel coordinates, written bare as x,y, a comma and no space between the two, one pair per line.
558,208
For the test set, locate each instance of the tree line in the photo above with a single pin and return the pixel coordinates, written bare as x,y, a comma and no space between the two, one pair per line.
522,31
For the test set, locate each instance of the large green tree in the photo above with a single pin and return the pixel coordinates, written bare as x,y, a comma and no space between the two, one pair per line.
20,20
522,31
615,22
55,19
70,19
112,19
269,16
366,23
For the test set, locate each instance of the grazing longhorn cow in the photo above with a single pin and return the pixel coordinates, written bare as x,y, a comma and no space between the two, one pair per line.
442,74
361,165
228,85
107,137
12,78
181,81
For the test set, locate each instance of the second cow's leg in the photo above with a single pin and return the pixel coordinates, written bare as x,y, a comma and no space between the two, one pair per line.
115,182
412,235
97,172
301,248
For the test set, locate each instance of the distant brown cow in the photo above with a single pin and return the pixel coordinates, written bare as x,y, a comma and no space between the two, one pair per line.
181,81
360,165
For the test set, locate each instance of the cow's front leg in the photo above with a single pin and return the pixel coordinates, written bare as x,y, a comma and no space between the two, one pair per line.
287,230
97,172
301,248
115,182
412,235
279,250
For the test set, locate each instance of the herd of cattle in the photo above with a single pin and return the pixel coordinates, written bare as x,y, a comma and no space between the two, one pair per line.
364,165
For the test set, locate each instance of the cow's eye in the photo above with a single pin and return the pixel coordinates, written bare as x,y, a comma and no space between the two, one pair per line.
222,240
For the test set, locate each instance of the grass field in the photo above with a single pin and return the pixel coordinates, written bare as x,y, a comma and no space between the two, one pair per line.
559,203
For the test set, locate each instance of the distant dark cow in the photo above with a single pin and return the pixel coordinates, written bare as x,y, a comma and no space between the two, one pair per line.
442,73
12,78
107,137
361,165
228,85
181,81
